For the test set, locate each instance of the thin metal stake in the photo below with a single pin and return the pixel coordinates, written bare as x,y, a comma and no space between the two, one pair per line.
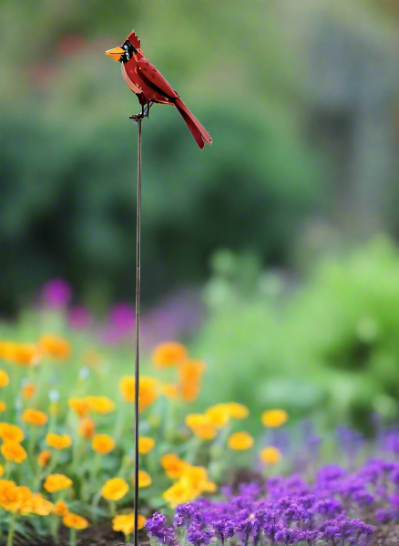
137,360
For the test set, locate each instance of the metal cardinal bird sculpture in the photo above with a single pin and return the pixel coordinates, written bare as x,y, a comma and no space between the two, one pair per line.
151,87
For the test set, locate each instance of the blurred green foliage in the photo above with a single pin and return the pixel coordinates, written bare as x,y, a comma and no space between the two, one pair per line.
329,348
68,157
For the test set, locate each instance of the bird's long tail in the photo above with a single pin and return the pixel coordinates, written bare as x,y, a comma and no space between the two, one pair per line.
198,131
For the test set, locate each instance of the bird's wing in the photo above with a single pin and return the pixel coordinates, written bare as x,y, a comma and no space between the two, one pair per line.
155,80
129,82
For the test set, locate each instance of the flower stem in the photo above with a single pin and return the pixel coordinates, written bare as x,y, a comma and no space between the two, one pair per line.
72,537
11,530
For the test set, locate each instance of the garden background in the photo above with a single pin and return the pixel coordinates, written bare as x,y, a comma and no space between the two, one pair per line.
272,254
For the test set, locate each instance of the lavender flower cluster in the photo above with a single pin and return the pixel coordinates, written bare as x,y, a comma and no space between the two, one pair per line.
340,507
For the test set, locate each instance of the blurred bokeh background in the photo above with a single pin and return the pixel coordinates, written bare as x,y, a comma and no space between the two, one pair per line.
273,253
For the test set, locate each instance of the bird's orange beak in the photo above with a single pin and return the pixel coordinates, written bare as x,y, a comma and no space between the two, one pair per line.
115,53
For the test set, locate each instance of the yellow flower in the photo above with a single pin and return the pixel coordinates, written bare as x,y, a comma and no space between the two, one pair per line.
58,441
34,417
55,347
79,405
146,445
102,443
170,390
1,470
179,493
240,441
41,506
13,451
169,354
11,433
218,415
201,425
60,508
28,391
237,411
144,479
115,489
125,523
190,374
270,455
4,379
86,428
3,406
197,478
57,482
23,354
148,390
44,457
11,497
100,404
73,521
92,358
173,465
274,418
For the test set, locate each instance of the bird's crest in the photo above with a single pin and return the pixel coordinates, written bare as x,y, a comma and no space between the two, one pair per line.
133,39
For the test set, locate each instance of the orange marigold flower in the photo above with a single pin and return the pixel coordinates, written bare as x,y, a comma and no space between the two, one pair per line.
125,523
41,506
190,374
114,489
170,390
87,428
201,425
73,521
13,451
274,418
11,433
34,417
28,391
174,466
100,404
11,497
219,415
146,445
4,378
3,406
23,354
1,470
57,482
79,405
26,500
270,455
55,347
44,457
148,390
102,443
144,479
60,508
58,441
169,354
237,411
240,441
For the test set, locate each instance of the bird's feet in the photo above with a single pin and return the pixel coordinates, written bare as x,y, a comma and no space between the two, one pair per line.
145,113
137,117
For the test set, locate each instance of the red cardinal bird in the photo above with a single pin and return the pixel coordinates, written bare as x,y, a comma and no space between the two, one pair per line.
150,86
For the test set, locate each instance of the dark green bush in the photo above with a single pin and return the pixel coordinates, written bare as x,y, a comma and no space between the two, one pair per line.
68,198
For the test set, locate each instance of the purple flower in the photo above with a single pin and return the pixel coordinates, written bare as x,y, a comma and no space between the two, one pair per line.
122,318
56,293
79,317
